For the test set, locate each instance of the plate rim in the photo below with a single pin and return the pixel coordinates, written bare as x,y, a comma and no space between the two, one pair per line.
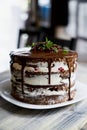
12,100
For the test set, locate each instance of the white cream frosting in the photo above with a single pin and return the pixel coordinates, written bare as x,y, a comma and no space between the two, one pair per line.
42,91
41,66
43,79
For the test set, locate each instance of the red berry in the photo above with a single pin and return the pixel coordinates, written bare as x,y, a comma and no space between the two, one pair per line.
61,69
36,69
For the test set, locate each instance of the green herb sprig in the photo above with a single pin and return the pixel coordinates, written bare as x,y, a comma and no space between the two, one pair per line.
48,45
65,51
55,49
33,44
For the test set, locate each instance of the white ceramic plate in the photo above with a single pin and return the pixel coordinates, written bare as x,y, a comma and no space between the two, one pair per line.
5,93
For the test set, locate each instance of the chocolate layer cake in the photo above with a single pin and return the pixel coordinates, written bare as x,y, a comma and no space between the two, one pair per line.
44,74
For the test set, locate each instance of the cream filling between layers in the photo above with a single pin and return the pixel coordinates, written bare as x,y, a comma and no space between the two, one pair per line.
43,79
42,91
41,66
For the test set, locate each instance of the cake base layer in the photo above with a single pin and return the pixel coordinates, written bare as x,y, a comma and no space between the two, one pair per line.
44,100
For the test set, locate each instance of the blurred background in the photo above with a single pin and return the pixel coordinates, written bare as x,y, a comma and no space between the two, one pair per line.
18,14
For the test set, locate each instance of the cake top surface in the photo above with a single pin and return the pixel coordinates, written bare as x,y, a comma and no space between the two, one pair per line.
43,50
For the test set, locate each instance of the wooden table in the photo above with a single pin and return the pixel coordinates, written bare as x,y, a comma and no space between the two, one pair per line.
72,117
